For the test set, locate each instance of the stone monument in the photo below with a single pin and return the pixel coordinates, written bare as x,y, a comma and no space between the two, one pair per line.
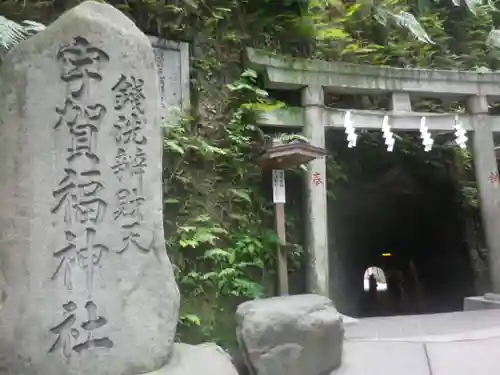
86,286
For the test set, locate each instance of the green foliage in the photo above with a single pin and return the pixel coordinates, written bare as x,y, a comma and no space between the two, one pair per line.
220,234
12,33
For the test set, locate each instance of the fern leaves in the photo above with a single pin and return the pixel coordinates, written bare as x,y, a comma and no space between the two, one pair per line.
12,33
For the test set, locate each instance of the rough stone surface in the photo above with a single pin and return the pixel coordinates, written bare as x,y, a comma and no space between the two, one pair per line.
86,284
240,363
198,359
287,73
172,61
292,335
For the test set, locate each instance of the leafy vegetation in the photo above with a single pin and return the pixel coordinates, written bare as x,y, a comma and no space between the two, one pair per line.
12,33
218,239
218,216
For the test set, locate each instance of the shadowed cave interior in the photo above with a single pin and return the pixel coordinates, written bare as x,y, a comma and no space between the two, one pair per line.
401,213
405,205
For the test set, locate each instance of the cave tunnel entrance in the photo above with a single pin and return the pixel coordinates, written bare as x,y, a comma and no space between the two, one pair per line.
401,212
376,296
374,279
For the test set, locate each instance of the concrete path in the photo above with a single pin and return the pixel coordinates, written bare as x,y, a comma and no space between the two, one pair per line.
461,343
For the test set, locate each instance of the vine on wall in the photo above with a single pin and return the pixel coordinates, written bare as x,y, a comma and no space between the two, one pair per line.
218,218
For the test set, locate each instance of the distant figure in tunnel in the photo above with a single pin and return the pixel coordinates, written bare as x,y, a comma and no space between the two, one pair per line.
372,282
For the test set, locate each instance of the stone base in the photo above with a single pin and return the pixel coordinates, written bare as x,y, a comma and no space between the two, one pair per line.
196,360
487,302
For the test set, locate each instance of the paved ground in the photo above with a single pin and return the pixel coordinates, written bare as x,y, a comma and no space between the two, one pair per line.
461,343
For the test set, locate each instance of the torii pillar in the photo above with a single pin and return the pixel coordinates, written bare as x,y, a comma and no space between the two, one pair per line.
488,183
315,185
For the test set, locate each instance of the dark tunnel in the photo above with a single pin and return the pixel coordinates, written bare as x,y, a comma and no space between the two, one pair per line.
403,214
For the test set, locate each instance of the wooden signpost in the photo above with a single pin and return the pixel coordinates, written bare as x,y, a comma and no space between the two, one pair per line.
278,158
279,200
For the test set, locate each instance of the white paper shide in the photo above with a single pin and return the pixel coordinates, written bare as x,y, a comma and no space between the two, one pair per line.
387,134
460,134
427,140
349,130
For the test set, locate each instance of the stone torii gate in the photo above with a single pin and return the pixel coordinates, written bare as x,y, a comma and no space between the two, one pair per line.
315,77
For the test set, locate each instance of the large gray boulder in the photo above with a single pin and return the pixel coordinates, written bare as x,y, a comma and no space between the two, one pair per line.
85,282
198,359
292,335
